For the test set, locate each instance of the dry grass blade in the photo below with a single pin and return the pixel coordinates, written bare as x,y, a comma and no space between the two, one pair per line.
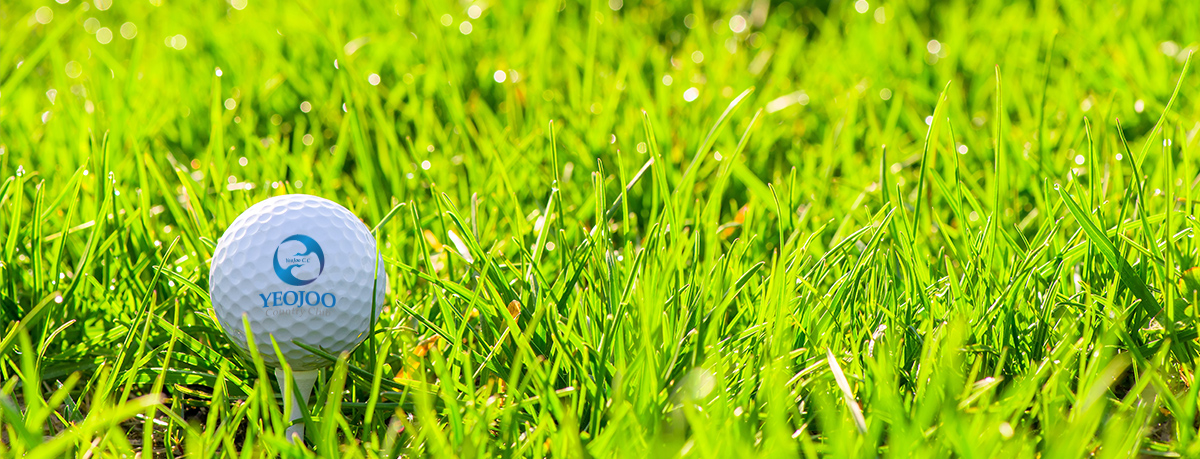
847,395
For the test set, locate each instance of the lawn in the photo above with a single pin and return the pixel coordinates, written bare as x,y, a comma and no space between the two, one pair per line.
614,228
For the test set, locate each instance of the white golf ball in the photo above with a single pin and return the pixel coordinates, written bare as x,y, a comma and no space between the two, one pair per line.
302,269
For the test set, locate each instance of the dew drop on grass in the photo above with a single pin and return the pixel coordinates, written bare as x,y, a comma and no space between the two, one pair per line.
885,94
1079,159
474,11
91,25
1169,48
691,94
861,6
1139,106
667,80
52,94
465,28
962,149
305,106
128,30
1006,430
308,139
104,35
933,46
373,79
44,15
426,165
737,23
447,20
499,76
178,42
880,15
73,69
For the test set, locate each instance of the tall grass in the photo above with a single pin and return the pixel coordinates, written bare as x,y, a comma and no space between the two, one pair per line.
614,229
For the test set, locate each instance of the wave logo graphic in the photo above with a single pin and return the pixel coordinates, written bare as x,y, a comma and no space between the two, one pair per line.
299,260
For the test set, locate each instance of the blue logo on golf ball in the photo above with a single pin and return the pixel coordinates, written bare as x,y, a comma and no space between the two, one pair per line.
299,260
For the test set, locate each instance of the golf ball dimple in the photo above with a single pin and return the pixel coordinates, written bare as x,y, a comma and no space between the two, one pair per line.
302,269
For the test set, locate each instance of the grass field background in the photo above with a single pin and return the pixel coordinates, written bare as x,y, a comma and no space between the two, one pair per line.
615,228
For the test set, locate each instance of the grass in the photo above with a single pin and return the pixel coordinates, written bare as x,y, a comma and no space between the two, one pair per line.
615,229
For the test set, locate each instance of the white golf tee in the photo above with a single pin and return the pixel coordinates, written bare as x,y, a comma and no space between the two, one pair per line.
304,381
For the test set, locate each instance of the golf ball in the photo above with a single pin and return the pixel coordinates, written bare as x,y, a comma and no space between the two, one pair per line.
302,269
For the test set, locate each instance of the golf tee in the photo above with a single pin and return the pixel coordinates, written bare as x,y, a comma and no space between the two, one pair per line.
304,382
